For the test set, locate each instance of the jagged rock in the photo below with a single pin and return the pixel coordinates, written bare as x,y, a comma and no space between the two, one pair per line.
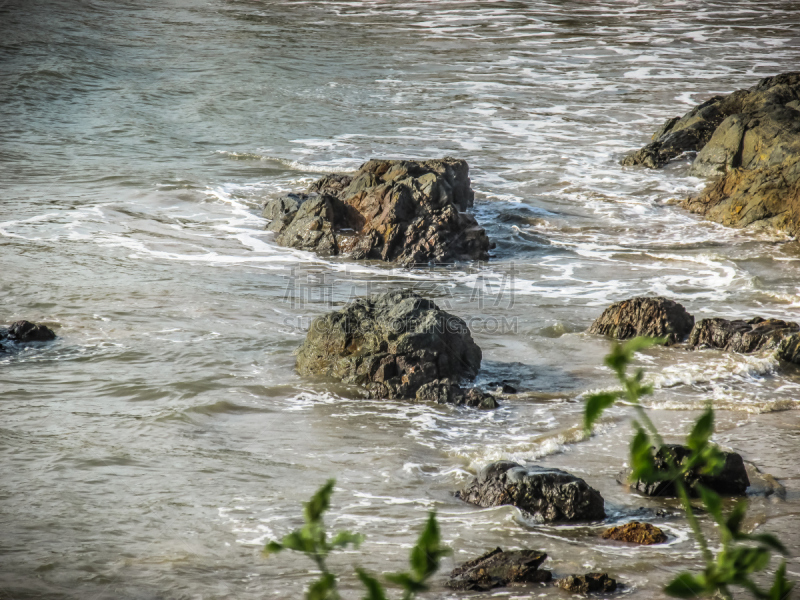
652,317
545,494
25,331
731,481
444,391
394,344
584,584
403,211
497,568
636,533
740,336
789,349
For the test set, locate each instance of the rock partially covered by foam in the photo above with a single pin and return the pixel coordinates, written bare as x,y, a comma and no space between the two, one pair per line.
400,211
741,336
645,316
585,584
545,494
498,568
732,480
396,345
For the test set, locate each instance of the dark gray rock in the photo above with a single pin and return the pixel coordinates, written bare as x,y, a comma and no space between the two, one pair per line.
25,331
789,349
731,481
545,494
402,211
393,344
585,584
652,317
741,336
497,568
444,391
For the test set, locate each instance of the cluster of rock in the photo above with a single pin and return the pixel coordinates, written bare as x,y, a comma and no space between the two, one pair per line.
401,211
662,317
23,332
396,345
750,142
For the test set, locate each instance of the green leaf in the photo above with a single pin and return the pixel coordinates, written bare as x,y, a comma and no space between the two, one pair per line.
781,588
272,548
702,431
407,582
735,519
375,590
319,503
595,405
687,585
298,542
428,551
712,501
748,560
323,589
768,540
345,538
642,464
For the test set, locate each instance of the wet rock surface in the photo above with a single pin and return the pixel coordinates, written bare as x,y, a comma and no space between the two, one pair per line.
23,332
789,349
443,391
545,494
652,317
636,533
731,481
750,142
585,584
497,568
402,211
396,345
739,335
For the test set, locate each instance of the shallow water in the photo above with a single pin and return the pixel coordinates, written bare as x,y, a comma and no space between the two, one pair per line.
164,437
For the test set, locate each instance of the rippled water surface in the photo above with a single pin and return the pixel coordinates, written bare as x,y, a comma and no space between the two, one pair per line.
164,437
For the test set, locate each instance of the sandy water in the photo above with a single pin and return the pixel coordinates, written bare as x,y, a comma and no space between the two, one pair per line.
154,448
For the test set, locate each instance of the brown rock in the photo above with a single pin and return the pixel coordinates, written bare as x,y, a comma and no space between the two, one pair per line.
652,317
741,336
497,568
636,533
591,582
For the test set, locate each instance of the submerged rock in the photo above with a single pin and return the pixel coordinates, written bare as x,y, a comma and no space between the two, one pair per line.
545,494
652,317
443,391
636,533
585,584
402,211
397,345
741,336
25,331
731,481
497,568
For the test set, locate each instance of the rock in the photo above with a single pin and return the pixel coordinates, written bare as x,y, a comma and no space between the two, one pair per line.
545,494
497,568
403,211
741,336
731,481
789,349
394,344
763,484
443,391
25,331
584,584
652,317
636,533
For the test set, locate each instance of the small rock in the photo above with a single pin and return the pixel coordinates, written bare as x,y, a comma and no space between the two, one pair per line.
497,568
585,584
741,336
443,391
789,349
636,533
651,317
25,331
731,481
545,494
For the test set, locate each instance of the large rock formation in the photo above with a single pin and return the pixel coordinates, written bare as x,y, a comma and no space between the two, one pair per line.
741,336
731,481
652,317
497,568
402,211
636,533
750,141
545,494
397,345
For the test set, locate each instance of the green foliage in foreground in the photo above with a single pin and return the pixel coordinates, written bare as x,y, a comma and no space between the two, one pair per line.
741,554
312,540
